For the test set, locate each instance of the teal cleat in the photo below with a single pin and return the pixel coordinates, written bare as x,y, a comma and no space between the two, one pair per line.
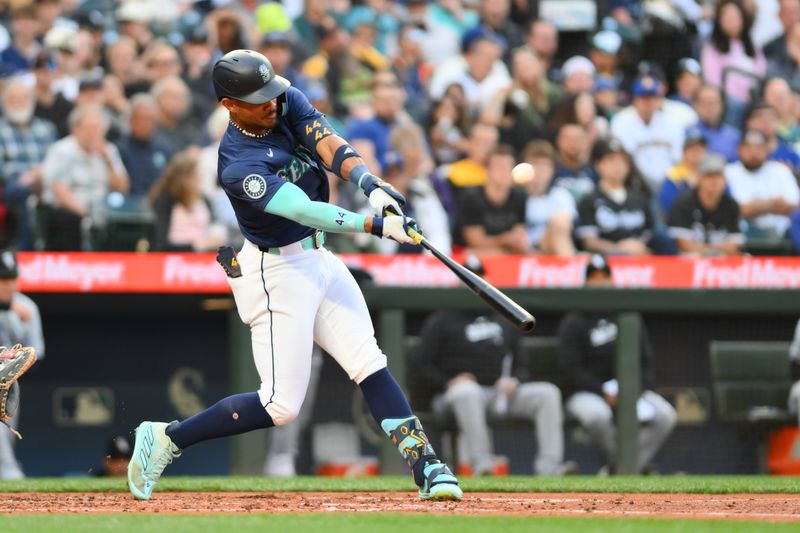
152,452
440,483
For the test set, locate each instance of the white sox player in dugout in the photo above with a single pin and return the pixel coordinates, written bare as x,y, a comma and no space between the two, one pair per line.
288,288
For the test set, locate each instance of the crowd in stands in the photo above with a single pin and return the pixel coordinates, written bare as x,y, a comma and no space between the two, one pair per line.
653,126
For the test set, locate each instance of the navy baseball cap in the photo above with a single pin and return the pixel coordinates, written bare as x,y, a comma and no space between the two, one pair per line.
647,85
694,136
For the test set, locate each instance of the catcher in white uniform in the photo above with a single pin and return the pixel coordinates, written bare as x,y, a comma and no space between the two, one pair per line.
288,288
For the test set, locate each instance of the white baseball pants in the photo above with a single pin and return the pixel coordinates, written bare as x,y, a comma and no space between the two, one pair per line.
291,300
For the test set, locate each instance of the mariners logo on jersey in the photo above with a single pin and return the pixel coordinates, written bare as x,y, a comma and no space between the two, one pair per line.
298,166
255,186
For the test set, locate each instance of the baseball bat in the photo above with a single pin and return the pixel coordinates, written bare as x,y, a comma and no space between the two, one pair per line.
508,308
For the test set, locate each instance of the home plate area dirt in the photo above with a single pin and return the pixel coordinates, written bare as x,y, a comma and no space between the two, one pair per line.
773,507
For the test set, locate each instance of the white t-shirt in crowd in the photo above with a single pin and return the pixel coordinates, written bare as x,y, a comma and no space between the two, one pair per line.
540,209
772,180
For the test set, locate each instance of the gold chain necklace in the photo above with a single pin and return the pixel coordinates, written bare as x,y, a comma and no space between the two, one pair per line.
245,132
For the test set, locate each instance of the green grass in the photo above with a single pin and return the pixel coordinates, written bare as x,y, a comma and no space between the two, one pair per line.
370,522
652,484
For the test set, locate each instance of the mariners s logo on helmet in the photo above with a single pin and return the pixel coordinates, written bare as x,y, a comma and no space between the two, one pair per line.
264,71
255,186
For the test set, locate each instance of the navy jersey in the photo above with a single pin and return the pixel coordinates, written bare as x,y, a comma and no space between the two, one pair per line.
251,170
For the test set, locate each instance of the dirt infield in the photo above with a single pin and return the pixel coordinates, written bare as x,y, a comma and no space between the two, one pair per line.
772,507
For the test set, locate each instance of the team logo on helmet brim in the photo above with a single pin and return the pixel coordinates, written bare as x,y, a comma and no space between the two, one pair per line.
255,186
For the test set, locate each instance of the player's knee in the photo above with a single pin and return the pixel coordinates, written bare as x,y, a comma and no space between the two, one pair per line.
282,413
465,391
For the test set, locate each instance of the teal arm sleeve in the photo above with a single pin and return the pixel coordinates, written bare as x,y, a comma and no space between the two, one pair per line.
291,202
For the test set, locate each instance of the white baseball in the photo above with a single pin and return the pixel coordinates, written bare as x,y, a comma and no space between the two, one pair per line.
522,173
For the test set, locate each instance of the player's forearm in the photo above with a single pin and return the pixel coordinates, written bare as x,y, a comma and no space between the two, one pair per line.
326,149
291,202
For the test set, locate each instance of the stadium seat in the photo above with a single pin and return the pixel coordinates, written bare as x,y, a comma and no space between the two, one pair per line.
750,380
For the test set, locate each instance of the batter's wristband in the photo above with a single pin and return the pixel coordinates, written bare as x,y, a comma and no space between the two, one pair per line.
377,226
345,151
365,179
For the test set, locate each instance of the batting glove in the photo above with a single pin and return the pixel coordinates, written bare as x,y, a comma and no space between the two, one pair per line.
383,196
394,227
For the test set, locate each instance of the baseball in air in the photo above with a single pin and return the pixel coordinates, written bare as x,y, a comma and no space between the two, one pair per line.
522,173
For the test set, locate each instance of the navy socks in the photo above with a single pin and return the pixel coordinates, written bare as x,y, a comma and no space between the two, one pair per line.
231,416
384,397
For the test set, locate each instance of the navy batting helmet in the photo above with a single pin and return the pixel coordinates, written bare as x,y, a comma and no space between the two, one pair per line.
247,76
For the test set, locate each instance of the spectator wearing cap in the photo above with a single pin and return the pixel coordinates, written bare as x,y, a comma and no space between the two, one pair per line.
766,191
788,66
388,98
51,105
683,176
652,137
780,97
145,152
63,41
24,48
705,219
78,173
764,118
521,110
616,219
604,54
494,17
731,46
20,323
789,15
549,210
688,80
574,172
134,22
587,355
93,90
542,40
197,66
577,75
479,70
606,97
722,138
490,220
676,109
92,24
24,140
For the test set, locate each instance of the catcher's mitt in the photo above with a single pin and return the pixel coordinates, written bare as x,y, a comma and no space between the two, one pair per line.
14,362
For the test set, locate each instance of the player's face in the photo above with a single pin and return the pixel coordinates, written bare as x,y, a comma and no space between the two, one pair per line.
253,115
